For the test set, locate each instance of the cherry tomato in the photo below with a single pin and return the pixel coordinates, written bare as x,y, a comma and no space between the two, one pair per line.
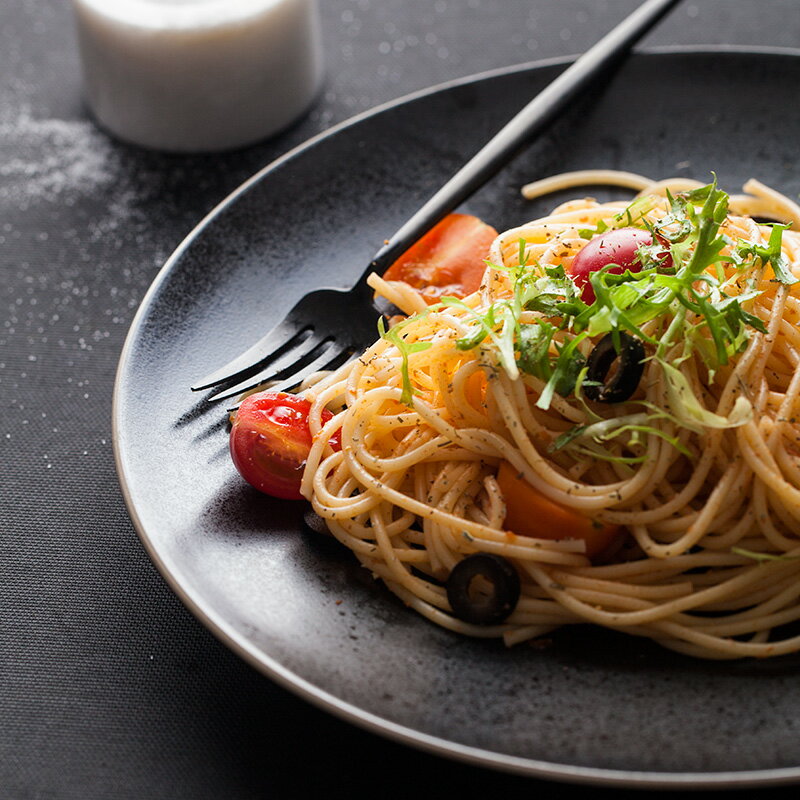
613,247
270,441
448,260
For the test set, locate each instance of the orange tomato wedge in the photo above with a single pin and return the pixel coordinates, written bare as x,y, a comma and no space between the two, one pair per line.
475,389
530,513
448,260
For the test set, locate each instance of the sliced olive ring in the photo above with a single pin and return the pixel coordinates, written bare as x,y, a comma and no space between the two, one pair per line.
480,607
627,376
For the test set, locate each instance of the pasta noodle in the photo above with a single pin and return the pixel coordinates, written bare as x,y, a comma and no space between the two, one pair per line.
699,468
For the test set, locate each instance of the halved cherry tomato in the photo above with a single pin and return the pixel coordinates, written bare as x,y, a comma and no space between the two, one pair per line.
448,260
530,513
613,247
270,441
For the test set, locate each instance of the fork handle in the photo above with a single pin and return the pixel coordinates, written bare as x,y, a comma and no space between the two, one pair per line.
512,137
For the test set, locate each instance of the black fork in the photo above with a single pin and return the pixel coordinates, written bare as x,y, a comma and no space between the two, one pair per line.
328,326
323,330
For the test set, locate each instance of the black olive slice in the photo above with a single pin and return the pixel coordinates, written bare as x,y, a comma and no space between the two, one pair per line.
629,372
483,589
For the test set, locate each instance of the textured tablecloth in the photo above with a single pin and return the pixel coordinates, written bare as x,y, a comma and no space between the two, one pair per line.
109,688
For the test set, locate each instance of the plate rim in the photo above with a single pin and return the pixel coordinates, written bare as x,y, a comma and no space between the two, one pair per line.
306,690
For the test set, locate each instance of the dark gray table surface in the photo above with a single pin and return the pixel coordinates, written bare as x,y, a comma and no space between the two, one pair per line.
109,688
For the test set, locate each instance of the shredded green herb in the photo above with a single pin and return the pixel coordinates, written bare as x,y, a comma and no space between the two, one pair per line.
762,557
683,281
772,254
406,349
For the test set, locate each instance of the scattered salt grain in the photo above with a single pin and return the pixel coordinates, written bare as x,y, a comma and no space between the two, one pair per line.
54,159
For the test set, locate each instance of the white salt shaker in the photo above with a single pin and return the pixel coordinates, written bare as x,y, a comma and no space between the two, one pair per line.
198,75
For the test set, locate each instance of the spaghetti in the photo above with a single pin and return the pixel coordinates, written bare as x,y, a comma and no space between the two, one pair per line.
698,471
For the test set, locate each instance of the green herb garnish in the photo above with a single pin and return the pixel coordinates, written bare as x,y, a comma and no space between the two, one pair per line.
542,329
762,557
406,349
772,254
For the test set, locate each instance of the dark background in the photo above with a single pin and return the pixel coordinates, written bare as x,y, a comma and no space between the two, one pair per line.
108,687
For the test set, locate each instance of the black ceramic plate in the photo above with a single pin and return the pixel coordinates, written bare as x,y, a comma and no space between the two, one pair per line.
594,706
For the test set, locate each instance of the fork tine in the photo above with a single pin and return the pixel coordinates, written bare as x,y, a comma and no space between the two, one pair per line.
278,365
331,359
333,356
320,354
266,347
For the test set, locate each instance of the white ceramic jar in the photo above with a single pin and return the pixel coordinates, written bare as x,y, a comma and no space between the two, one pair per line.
198,75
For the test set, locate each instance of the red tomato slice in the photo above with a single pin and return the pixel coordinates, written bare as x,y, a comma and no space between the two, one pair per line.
270,441
614,247
448,260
